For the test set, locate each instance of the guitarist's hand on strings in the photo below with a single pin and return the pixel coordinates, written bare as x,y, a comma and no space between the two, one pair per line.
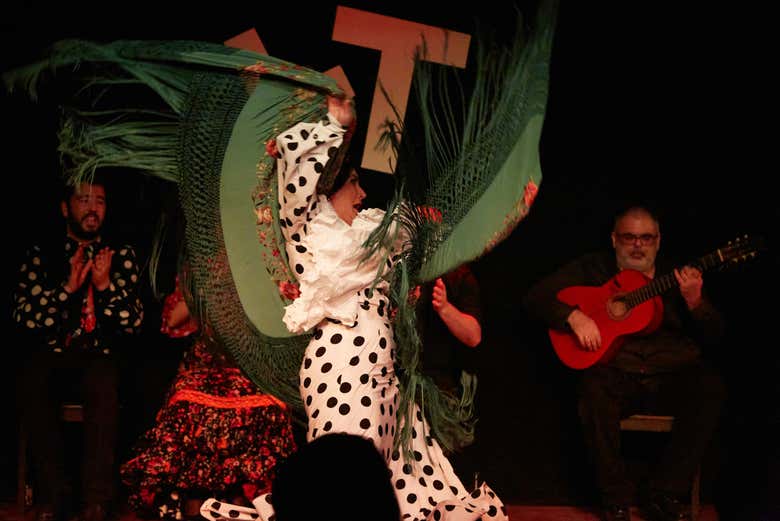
585,329
690,282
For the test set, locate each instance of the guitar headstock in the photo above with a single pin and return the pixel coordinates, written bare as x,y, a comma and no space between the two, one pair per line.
738,250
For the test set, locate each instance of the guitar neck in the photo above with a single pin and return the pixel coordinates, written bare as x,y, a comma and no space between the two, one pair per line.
664,283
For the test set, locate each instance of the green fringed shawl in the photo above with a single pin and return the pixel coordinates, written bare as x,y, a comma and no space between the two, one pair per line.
216,107
483,172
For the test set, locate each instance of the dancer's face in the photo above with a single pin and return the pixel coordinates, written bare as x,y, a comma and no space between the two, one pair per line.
348,200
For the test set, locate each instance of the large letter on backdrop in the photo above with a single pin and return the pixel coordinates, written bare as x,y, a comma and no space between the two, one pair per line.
397,40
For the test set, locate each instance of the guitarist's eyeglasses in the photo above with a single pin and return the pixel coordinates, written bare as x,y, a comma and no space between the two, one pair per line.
630,238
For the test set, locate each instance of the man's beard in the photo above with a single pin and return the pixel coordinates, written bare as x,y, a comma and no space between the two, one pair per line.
78,230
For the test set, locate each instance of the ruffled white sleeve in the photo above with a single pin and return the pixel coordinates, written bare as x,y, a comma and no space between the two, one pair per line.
305,150
336,270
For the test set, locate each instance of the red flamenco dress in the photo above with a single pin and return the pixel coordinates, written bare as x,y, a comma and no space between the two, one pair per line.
216,435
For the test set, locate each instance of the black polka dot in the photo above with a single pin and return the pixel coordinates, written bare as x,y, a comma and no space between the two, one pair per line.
364,379
300,249
302,181
319,167
327,366
307,363
315,413
428,470
322,387
365,401
292,145
365,423
449,508
437,515
407,469
297,238
332,401
291,188
422,482
417,455
359,340
372,358
383,342
308,400
335,339
344,409
345,387
306,382
492,511
380,430
382,409
400,484
475,494
233,513
288,221
320,351
304,134
298,269
454,490
332,151
355,360
438,485
411,498
328,426
396,455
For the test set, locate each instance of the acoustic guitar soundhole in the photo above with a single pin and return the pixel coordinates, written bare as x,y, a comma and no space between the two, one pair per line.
617,308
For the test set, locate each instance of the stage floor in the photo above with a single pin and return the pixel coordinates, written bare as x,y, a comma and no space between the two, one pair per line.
9,512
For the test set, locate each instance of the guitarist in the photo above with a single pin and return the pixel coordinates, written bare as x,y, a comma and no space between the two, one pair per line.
656,373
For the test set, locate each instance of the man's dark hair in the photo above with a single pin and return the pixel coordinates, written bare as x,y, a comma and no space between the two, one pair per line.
69,187
633,208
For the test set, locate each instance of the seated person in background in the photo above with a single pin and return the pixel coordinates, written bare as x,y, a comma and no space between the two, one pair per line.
658,373
216,435
449,315
78,298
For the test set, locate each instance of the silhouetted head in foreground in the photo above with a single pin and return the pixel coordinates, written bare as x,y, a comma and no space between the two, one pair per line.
335,477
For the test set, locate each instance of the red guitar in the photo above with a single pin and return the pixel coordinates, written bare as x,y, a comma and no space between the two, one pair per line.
630,304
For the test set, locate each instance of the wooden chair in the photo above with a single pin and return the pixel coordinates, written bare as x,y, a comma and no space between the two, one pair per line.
648,423
71,412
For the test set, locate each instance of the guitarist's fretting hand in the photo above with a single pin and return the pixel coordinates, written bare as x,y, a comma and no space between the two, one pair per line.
585,329
690,282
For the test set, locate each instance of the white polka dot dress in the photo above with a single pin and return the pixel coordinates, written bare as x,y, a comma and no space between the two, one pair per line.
347,377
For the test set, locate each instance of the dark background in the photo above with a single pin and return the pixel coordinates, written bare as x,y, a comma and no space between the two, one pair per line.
647,100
